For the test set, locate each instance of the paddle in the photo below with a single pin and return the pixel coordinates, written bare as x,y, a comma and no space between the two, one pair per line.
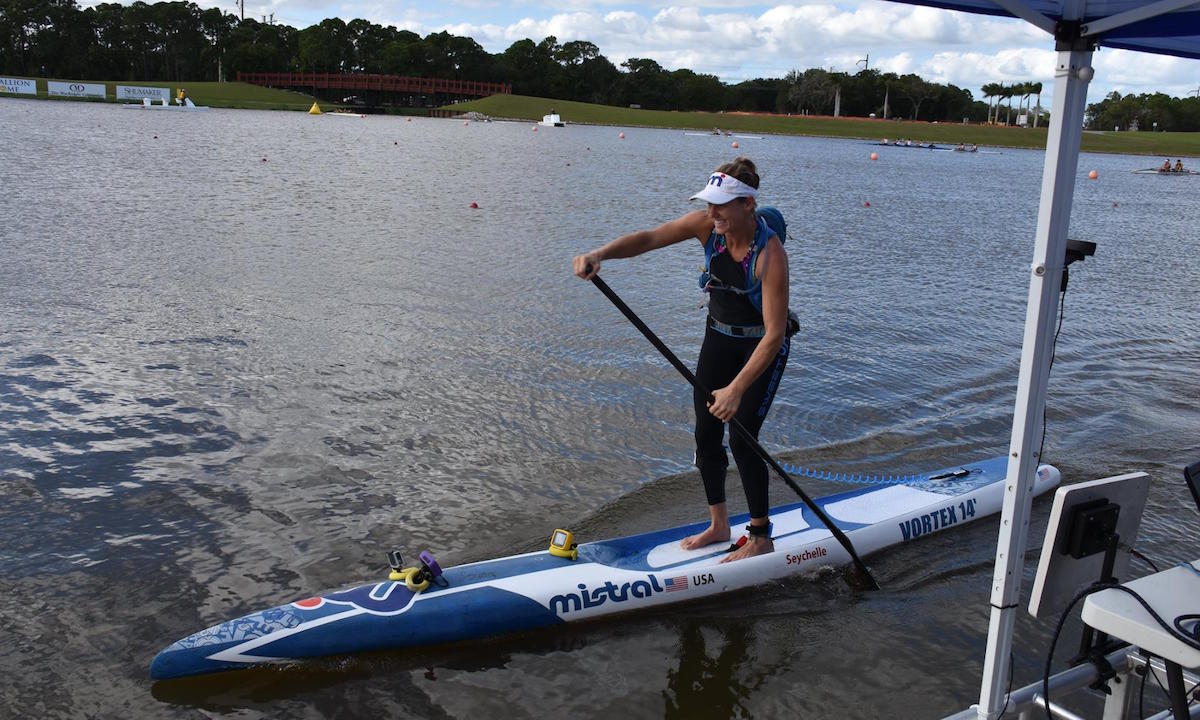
867,581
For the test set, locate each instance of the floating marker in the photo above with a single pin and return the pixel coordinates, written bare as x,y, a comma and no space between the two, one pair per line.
622,136
735,143
866,204
874,156
1093,175
474,206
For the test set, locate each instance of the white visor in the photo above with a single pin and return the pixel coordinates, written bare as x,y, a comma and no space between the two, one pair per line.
722,188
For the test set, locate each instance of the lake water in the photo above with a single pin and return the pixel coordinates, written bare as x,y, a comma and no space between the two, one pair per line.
244,354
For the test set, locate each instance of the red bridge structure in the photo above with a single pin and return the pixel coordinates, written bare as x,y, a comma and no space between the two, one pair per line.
379,91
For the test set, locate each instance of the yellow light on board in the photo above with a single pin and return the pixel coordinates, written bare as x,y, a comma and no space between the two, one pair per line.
562,544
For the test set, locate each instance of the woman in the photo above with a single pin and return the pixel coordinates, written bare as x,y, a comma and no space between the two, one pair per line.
745,345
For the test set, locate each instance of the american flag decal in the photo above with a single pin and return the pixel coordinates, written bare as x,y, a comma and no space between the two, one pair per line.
677,583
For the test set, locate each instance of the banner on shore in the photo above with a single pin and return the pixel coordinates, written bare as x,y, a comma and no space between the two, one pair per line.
18,86
76,89
137,92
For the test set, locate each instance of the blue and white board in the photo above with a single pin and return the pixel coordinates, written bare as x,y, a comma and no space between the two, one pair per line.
539,589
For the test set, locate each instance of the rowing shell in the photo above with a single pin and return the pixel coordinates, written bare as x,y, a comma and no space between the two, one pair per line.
534,590
1156,171
913,147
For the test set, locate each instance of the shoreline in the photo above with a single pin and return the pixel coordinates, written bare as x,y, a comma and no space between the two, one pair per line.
518,108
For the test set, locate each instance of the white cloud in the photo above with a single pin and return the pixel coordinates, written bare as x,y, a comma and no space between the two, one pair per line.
1128,72
681,19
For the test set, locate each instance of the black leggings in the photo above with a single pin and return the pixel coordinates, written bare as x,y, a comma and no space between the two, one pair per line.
722,357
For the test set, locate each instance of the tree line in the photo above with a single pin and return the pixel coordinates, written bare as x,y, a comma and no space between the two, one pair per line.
180,42
1146,112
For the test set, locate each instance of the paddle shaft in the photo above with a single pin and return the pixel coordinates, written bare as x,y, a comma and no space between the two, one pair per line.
736,425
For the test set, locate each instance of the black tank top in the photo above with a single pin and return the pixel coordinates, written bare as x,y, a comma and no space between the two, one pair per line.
726,306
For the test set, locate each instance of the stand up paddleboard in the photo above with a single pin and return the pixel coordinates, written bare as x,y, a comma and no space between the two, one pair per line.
568,582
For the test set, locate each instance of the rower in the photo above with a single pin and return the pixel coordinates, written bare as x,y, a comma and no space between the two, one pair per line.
1179,166
1166,166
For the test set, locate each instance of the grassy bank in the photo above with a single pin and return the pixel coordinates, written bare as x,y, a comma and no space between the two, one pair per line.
212,94
521,107
1159,145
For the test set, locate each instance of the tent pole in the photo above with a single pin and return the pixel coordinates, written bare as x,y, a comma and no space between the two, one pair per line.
1072,73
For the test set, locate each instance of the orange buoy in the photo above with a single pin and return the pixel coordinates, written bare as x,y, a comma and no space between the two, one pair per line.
535,128
466,122
735,143
1093,175
874,156
410,119
622,136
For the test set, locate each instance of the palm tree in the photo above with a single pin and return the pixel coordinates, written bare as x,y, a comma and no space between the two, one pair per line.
1037,88
991,90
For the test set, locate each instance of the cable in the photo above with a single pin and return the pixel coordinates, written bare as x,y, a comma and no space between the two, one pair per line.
1008,692
1149,670
1191,638
801,471
863,479
1142,691
1194,633
1183,635
1159,683
1145,559
1062,304
1062,620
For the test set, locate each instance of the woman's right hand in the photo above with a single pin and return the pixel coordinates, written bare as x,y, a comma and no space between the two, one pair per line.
587,265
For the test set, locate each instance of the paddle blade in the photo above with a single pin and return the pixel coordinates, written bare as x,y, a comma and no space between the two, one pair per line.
859,578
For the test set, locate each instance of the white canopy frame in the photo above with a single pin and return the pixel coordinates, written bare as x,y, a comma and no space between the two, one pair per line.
1077,32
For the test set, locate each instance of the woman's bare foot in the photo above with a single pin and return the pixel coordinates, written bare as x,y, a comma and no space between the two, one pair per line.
710,536
753,546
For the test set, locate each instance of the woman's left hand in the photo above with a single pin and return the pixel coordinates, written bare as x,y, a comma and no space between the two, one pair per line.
725,403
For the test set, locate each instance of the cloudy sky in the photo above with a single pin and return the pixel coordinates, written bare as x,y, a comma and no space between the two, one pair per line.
741,39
